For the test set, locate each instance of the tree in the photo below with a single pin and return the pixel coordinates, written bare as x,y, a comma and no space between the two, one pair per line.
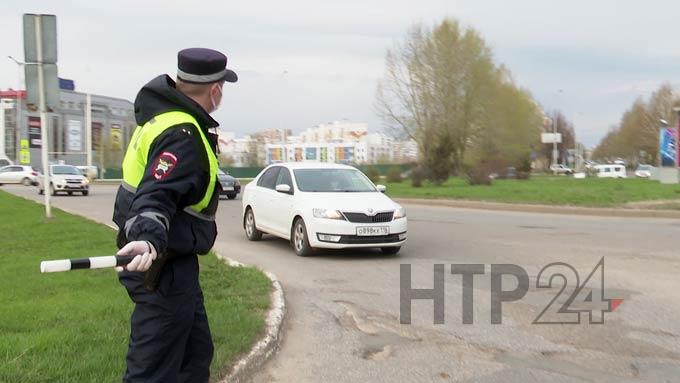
638,130
443,89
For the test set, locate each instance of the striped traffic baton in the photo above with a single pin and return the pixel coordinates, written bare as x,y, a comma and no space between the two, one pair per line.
85,263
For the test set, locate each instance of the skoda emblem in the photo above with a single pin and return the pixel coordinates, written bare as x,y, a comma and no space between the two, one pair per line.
370,211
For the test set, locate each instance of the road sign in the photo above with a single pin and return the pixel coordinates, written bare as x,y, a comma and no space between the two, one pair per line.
47,42
48,26
24,153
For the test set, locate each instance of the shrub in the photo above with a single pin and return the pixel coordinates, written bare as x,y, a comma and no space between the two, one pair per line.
417,176
394,175
478,174
373,174
524,169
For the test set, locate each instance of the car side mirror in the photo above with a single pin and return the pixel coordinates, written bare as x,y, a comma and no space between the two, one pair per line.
381,188
283,188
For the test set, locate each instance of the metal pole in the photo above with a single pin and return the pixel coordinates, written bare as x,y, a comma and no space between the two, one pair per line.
17,130
554,152
43,118
88,128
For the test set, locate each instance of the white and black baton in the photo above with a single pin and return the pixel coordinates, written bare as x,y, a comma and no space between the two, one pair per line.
85,263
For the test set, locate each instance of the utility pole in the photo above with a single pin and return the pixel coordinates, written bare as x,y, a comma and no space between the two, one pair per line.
554,151
88,128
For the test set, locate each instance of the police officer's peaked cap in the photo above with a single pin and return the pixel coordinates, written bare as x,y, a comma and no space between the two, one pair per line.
203,66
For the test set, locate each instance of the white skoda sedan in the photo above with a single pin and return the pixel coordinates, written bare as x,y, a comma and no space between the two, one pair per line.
322,206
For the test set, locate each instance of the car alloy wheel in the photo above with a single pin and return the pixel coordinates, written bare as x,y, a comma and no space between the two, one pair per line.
251,229
300,240
26,181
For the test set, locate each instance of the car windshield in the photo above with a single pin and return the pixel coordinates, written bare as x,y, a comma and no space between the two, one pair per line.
64,169
332,180
643,167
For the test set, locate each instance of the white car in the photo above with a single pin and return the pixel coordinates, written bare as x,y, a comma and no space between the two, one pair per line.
322,206
18,174
561,169
67,179
644,171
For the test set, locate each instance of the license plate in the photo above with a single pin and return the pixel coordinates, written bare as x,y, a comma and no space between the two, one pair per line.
366,231
228,188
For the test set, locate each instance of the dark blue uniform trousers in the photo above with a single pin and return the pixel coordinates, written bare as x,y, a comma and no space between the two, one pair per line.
169,338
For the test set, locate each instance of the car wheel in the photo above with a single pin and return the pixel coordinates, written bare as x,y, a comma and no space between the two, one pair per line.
300,240
390,250
231,196
251,229
41,191
86,192
26,181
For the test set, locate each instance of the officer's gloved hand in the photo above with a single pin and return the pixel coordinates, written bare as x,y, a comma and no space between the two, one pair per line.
145,255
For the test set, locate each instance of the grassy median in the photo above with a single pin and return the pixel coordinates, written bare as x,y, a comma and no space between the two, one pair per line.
74,326
592,192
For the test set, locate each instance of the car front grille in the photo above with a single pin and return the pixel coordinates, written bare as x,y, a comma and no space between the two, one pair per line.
365,218
361,240
72,181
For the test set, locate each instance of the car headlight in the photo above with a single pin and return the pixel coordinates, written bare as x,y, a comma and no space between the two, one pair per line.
400,213
85,181
327,213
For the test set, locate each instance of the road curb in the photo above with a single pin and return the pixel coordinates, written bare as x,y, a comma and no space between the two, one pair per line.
269,344
544,209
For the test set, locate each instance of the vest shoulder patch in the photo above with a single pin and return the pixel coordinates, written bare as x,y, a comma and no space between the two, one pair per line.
163,165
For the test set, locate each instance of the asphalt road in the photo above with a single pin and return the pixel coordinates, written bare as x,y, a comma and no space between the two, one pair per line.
343,319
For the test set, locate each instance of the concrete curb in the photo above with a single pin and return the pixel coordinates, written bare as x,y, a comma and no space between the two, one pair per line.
544,209
266,347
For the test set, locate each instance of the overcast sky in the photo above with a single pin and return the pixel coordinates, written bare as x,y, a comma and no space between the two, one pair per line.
304,62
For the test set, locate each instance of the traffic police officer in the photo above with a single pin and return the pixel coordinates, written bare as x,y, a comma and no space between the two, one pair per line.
165,212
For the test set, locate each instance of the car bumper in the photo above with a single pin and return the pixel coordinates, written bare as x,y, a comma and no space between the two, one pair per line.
347,233
72,187
230,189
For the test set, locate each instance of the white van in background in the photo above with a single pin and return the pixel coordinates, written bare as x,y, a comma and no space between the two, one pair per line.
610,171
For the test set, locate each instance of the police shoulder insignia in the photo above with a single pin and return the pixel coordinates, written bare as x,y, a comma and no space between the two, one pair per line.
163,165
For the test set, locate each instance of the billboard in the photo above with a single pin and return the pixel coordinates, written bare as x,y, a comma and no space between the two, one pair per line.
34,137
310,153
97,128
344,154
667,146
116,137
274,155
551,138
75,135
323,154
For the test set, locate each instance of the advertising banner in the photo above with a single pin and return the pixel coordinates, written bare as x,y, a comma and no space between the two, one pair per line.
310,153
667,146
116,137
75,141
96,135
34,140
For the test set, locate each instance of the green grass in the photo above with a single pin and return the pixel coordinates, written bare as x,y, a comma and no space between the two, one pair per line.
74,326
592,192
